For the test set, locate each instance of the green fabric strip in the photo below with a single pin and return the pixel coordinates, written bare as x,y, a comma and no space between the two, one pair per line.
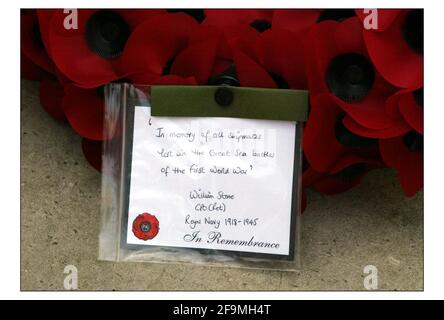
248,103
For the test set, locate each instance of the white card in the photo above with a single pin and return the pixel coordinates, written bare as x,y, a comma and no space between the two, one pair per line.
211,183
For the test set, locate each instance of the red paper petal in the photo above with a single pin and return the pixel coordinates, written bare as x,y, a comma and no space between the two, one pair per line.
321,148
348,36
393,57
370,112
281,52
196,61
412,112
296,21
45,16
134,17
403,104
156,41
84,110
398,128
319,50
392,104
92,150
250,73
241,38
409,165
51,96
228,17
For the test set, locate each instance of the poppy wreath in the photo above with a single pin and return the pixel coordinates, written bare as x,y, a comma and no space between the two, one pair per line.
365,84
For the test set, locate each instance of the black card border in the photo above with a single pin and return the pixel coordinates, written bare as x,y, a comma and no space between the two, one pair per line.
127,150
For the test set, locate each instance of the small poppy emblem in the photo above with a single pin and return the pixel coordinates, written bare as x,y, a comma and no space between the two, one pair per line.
145,226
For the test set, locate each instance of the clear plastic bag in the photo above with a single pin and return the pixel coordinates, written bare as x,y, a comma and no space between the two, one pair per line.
132,177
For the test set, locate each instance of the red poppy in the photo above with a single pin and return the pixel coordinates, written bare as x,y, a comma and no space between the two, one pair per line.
162,46
84,110
410,105
171,44
328,145
51,96
397,50
92,150
32,46
337,63
405,154
145,226
90,55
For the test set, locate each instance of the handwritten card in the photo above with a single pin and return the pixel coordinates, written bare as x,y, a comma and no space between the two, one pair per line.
211,183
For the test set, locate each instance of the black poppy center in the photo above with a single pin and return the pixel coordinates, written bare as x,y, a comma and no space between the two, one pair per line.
353,74
349,139
419,97
197,14
261,25
110,31
413,30
414,141
352,172
145,227
107,33
336,14
350,76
